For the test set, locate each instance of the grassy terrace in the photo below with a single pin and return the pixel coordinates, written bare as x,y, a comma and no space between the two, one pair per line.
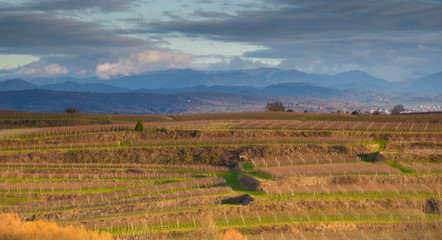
177,179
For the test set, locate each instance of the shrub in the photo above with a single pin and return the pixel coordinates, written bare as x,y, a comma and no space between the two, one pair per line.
12,228
71,110
356,112
140,126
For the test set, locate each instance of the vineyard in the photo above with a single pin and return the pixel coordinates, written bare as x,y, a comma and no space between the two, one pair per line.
255,175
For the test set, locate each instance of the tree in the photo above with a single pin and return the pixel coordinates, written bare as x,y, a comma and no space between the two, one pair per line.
140,126
377,112
71,110
356,112
275,107
397,109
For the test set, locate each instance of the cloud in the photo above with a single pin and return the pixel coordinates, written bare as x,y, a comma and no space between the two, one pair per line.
55,69
422,47
142,62
46,34
237,63
74,44
312,19
364,53
8,67
57,5
51,70
323,36
329,35
210,14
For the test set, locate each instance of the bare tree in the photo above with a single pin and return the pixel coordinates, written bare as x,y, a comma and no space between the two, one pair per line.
275,107
397,109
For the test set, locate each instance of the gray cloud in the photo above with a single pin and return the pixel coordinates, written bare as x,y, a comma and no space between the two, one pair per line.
45,34
63,5
78,46
332,35
391,38
314,20
210,14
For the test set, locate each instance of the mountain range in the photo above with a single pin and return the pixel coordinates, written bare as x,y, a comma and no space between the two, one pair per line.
258,78
187,90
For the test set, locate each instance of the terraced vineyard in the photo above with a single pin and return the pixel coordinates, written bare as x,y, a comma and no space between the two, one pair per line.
267,175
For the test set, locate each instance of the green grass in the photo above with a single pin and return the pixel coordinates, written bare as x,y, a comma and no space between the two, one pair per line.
261,175
247,166
231,178
56,180
82,191
382,144
370,157
126,143
397,165
352,196
7,201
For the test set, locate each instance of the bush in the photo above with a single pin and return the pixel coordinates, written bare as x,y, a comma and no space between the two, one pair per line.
356,112
140,126
71,110
12,228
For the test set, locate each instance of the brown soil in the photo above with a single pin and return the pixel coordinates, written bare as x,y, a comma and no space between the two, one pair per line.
432,206
158,135
47,123
249,183
217,155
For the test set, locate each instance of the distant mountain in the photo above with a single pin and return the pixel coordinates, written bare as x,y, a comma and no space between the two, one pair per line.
56,101
161,79
257,78
359,80
16,84
88,87
430,85
261,77
285,89
356,76
60,80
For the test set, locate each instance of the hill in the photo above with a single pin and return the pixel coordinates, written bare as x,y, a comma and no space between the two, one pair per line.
16,84
88,87
430,85
57,101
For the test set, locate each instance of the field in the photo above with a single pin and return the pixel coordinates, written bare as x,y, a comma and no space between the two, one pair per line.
196,176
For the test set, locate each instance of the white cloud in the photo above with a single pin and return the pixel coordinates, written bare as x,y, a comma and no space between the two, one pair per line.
50,70
422,47
142,62
55,70
9,67
239,63
82,72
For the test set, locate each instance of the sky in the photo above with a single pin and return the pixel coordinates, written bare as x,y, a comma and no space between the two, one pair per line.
390,39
